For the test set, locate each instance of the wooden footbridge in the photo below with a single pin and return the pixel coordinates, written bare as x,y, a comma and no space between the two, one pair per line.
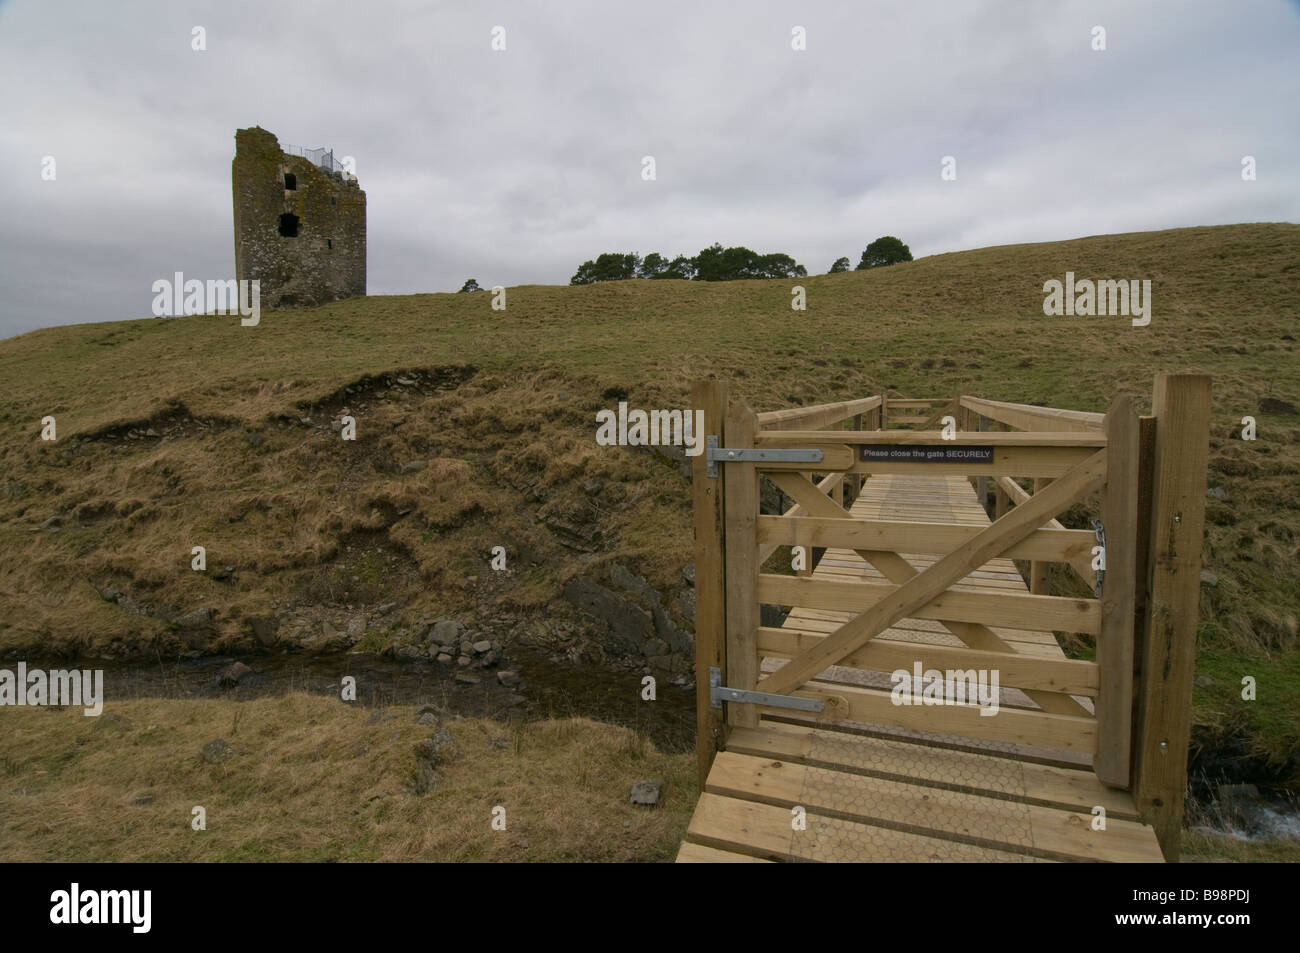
914,703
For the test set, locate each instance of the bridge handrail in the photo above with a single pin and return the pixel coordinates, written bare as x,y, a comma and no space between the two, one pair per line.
1024,416
820,415
1030,417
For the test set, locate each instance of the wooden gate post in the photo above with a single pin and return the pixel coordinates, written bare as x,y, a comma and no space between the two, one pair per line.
1181,406
1115,640
742,616
710,571
1146,468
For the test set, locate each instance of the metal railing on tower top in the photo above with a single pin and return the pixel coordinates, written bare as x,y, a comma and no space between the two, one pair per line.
321,158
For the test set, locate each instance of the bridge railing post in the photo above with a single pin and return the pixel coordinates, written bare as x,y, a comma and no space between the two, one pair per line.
857,477
1037,568
837,494
982,486
965,424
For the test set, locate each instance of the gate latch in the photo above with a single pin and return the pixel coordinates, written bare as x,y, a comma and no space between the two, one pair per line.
718,455
719,693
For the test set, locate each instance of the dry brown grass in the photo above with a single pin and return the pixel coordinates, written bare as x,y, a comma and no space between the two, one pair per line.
314,780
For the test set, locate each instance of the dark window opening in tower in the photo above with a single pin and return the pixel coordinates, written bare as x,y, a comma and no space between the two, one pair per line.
329,243
289,225
290,181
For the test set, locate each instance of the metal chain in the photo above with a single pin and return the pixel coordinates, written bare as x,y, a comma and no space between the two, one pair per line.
1100,529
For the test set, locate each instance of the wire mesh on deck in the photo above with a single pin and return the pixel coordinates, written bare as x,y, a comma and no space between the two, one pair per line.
953,769
879,819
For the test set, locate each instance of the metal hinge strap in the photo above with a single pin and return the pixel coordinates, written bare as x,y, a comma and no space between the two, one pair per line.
718,455
719,693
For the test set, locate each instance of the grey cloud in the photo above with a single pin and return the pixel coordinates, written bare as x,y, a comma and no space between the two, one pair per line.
514,167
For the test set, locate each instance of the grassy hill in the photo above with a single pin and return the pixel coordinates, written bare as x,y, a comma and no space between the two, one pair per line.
475,429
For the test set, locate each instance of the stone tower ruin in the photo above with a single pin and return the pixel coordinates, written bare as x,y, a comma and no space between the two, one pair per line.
300,222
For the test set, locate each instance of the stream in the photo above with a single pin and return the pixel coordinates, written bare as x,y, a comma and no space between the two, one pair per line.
549,687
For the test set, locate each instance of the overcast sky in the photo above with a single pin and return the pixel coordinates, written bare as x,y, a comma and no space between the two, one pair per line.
515,166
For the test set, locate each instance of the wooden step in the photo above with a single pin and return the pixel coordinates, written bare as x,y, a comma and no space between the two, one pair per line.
765,831
973,819
990,775
690,853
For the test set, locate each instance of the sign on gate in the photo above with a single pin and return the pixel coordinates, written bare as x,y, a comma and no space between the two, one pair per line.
903,453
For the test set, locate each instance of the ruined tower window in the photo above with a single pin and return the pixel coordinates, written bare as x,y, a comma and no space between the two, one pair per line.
289,225
332,202
290,181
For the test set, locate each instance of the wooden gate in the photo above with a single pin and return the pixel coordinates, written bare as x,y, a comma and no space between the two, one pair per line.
916,618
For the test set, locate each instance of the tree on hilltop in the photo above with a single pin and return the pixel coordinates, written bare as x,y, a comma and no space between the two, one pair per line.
611,266
886,250
653,265
714,263
680,267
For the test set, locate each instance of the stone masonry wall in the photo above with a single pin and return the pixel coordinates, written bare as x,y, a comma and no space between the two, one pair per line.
327,259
